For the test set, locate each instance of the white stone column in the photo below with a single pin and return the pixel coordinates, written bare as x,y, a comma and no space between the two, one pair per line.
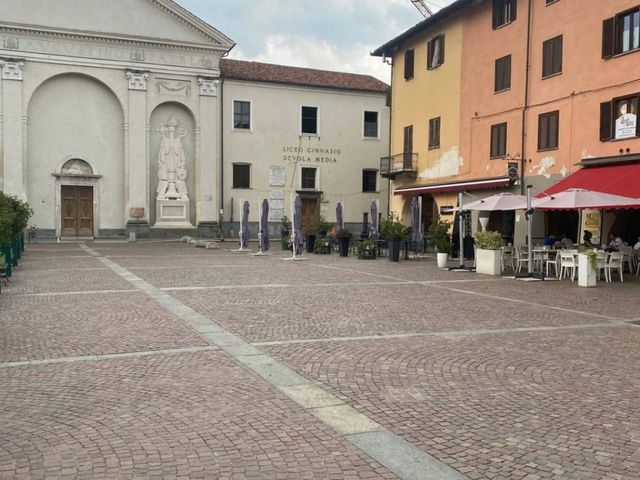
14,171
208,199
137,173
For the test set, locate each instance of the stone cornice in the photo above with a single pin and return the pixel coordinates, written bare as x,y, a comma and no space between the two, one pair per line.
128,40
190,20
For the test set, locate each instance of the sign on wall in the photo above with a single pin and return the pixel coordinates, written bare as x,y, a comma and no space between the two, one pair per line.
276,205
626,126
277,176
592,221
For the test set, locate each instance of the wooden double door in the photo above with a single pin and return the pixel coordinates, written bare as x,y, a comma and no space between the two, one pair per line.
77,211
310,215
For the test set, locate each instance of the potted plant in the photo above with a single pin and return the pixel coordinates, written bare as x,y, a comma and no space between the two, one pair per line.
322,245
285,225
322,226
488,253
443,247
395,232
587,268
367,250
344,239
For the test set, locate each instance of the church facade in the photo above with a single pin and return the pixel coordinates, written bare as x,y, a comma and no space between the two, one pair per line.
85,111
112,123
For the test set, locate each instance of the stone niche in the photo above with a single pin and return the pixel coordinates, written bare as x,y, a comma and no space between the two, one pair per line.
172,167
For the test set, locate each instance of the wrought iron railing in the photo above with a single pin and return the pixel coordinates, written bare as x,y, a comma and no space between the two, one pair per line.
399,164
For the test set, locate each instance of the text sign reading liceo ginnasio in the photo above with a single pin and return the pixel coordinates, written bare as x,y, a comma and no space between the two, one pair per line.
311,154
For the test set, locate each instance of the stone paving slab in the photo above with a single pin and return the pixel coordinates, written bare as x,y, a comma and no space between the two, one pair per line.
560,405
27,280
195,415
305,312
37,327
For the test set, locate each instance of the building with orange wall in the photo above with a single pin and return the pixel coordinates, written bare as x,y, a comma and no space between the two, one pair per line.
542,85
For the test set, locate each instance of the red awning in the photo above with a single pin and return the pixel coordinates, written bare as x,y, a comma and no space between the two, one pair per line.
614,179
455,186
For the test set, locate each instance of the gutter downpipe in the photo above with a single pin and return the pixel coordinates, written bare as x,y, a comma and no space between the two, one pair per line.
222,114
389,194
525,109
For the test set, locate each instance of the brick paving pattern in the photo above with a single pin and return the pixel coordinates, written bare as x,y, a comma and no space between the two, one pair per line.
559,403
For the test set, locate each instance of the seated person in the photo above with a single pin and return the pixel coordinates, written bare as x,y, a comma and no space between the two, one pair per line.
566,243
637,245
615,242
586,239
549,241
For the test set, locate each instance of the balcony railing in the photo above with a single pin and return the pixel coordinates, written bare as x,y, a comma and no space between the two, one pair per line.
400,164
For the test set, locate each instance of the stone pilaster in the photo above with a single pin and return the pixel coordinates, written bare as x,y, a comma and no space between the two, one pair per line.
13,128
209,157
136,142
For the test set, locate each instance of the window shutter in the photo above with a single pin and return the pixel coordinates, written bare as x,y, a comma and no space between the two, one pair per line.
557,55
542,124
408,64
441,49
547,57
429,53
507,73
606,121
496,13
514,7
608,37
554,130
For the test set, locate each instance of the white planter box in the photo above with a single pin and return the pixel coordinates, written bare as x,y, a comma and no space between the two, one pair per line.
442,259
488,262
586,273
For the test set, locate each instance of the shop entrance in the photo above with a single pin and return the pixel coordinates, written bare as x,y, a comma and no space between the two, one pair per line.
76,211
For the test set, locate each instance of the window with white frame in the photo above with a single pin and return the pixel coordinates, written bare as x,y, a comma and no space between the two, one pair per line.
241,115
309,178
371,124
309,125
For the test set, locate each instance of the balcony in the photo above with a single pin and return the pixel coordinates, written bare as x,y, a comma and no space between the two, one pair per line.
400,164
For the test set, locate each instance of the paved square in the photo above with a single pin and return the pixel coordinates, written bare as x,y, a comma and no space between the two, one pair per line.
161,360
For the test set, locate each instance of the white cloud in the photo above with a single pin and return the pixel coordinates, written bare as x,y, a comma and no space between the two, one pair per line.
312,53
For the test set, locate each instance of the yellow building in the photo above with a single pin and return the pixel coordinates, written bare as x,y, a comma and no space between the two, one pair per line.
425,113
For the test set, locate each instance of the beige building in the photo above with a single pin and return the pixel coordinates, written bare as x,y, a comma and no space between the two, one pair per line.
90,90
315,133
112,119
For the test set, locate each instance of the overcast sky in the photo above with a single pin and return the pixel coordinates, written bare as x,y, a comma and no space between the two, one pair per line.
326,34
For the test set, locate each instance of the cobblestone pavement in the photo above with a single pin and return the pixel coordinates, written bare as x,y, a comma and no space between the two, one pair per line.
111,373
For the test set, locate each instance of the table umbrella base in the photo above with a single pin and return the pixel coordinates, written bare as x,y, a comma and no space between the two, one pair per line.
241,250
532,277
461,269
296,259
260,254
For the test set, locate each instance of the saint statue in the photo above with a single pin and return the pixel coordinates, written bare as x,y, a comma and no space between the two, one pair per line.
172,170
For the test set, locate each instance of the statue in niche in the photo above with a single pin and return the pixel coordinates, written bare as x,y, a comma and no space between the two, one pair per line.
172,169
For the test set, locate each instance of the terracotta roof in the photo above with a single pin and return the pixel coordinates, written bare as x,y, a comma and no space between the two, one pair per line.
267,72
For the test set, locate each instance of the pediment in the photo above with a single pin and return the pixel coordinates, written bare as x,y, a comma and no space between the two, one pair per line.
149,20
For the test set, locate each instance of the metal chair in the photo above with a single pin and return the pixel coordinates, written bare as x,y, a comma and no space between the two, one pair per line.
522,258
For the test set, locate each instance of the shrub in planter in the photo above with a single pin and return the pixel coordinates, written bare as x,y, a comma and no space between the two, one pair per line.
443,247
488,245
367,249
322,245
489,240
322,226
285,225
286,243
395,232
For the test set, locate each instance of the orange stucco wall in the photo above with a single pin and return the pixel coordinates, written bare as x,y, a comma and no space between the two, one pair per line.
586,81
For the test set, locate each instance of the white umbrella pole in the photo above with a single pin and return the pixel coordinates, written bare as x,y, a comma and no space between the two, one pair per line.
240,229
260,233
529,231
460,231
293,226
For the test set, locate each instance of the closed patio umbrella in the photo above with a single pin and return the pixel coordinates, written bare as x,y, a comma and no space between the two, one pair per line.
339,217
264,226
373,226
296,235
581,199
244,226
416,234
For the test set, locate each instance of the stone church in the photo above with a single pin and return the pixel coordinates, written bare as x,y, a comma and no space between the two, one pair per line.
101,125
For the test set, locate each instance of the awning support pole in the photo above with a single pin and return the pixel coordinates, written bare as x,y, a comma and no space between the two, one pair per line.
529,231
460,231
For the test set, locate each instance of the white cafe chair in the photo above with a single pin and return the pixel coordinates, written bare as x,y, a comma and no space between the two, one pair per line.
568,262
602,263
615,263
522,258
